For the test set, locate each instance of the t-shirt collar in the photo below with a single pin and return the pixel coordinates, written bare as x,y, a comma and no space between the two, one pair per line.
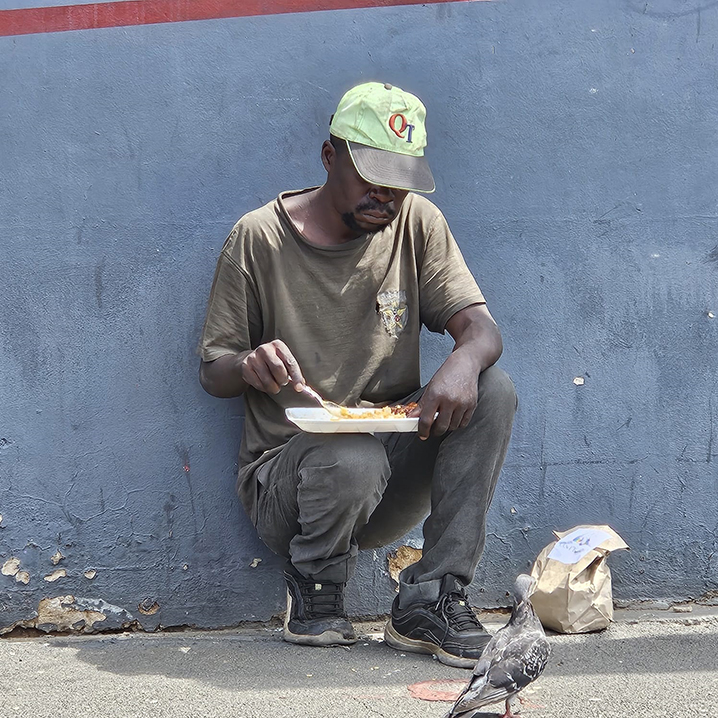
348,246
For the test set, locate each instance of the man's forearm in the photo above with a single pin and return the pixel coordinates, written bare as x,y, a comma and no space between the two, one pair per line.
476,335
222,377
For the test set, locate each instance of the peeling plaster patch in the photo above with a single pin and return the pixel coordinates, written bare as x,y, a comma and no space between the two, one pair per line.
90,574
404,556
112,611
10,567
148,607
22,577
57,558
579,381
60,573
80,615
62,613
255,562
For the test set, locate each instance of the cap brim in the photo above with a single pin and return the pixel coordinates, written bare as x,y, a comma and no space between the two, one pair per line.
391,169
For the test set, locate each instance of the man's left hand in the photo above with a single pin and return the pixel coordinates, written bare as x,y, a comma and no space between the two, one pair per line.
451,396
449,399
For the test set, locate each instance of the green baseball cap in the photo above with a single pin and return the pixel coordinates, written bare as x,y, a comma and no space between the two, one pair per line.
385,130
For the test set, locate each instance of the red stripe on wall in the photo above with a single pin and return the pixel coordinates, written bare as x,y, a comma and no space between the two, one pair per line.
26,21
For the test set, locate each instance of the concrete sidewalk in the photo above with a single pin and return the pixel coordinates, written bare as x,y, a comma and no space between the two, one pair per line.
647,664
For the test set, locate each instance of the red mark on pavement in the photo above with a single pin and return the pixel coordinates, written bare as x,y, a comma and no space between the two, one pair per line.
438,690
25,21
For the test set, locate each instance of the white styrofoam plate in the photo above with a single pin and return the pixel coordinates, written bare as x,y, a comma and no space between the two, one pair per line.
316,420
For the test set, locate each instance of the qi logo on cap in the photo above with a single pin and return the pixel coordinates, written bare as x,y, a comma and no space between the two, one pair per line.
403,126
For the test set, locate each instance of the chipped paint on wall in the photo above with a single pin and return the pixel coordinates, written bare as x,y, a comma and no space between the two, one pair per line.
55,575
10,567
401,558
68,613
148,607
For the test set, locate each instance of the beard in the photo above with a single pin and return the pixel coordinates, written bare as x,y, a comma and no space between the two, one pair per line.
349,218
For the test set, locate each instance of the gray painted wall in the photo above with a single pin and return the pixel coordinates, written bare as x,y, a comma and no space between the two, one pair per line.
574,146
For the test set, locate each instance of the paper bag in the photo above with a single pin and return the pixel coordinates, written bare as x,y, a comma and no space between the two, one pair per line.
574,593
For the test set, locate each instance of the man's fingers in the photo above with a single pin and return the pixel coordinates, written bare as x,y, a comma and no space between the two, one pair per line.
280,347
279,363
291,364
442,422
466,418
268,383
426,419
456,419
250,376
278,369
461,417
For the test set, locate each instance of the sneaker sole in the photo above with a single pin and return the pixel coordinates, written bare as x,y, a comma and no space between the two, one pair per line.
328,638
402,643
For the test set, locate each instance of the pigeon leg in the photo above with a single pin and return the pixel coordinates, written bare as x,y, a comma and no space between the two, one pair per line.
511,710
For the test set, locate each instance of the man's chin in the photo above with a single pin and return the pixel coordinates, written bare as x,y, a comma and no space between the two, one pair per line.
370,224
361,225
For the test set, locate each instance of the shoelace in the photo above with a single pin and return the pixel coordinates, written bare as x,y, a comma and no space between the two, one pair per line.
458,612
322,599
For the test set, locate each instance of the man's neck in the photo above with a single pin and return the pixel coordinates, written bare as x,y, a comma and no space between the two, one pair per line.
316,219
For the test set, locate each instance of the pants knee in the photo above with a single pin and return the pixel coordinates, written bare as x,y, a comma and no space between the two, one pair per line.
356,464
497,390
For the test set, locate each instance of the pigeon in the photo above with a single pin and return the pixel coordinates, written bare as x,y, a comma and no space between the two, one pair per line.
513,658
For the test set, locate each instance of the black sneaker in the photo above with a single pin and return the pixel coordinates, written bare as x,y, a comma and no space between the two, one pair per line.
315,612
448,629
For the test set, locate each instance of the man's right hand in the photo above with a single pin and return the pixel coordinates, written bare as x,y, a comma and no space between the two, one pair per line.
270,367
267,368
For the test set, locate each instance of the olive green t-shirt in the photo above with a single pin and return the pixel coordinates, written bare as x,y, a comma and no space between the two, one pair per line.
350,313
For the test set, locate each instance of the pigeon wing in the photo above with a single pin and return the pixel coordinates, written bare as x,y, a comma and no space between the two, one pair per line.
524,659
517,661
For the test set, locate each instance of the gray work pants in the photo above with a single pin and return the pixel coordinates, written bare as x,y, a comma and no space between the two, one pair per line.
325,496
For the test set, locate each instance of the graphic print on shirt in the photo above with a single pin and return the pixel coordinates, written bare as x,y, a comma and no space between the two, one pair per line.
394,313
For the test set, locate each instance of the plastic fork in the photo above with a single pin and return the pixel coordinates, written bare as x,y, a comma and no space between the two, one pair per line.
330,406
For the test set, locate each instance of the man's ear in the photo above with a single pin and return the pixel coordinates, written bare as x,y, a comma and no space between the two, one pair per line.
328,155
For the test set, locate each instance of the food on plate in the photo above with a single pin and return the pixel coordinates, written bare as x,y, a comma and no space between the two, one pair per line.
399,411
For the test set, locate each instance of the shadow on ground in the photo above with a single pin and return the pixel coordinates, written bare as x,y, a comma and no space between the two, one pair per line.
233,660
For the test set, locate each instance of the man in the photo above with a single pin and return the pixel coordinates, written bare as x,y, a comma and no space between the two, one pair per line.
329,287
